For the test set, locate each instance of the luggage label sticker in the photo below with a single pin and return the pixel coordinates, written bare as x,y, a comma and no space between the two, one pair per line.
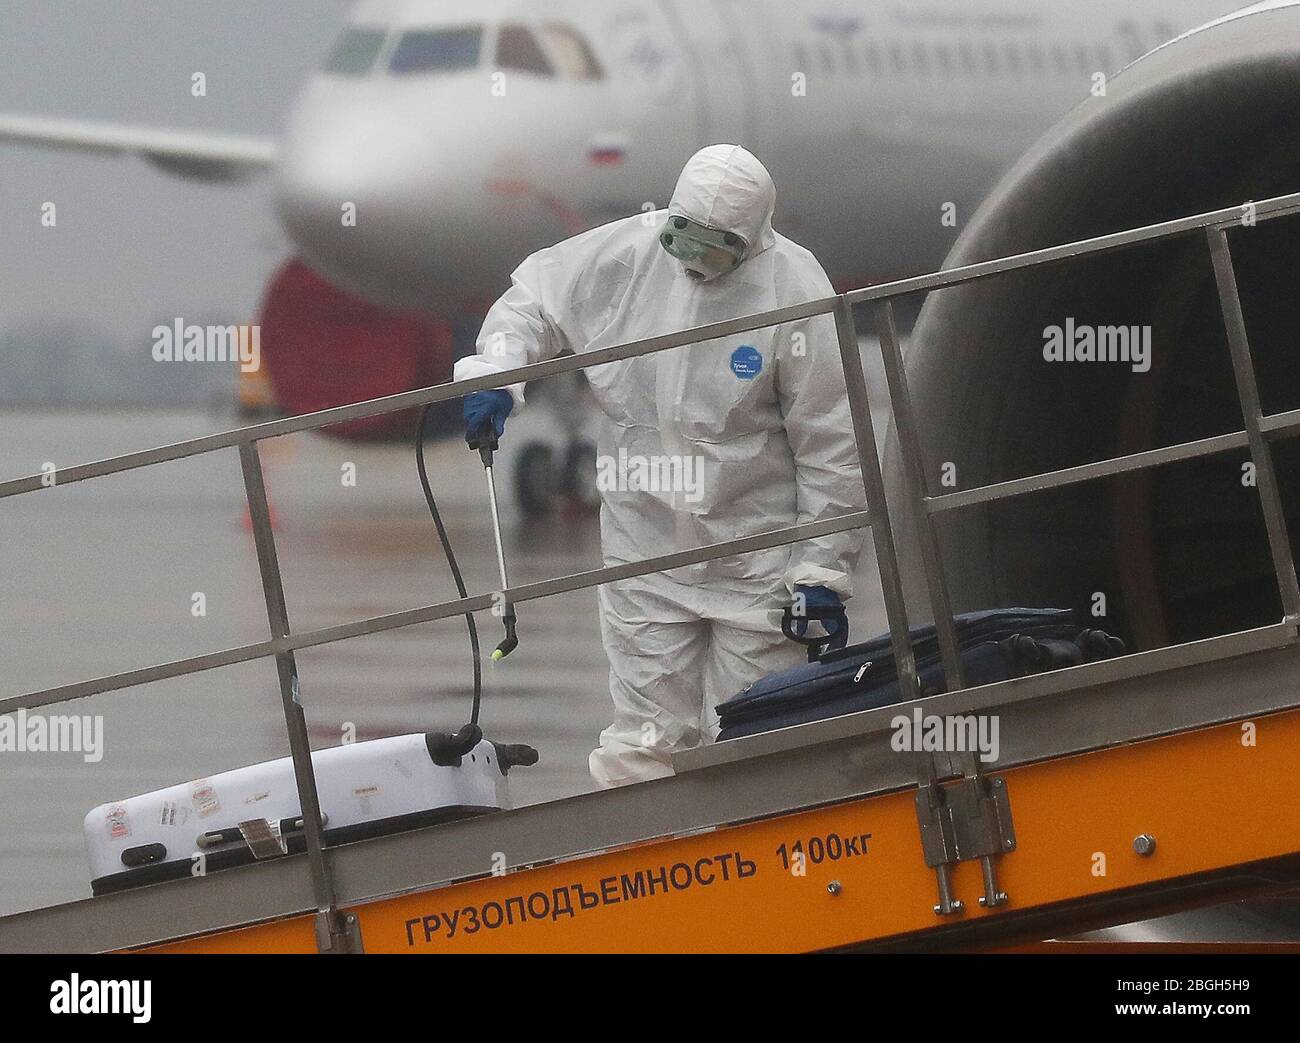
203,795
173,814
363,795
119,825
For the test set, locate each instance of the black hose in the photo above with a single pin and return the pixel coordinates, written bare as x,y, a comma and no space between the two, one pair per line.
451,557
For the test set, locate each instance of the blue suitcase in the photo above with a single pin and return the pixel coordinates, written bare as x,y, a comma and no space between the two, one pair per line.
995,645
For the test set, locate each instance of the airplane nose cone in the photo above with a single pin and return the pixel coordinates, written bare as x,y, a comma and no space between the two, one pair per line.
357,192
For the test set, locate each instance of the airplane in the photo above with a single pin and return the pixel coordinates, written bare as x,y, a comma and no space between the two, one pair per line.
440,144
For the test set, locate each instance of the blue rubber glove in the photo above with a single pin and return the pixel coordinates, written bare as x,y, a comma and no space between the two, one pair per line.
486,407
821,598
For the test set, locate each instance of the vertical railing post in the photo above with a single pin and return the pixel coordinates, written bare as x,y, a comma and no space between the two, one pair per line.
334,932
891,585
1261,454
934,806
915,488
882,534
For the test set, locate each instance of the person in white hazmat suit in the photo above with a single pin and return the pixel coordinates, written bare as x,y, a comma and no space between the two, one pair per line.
751,433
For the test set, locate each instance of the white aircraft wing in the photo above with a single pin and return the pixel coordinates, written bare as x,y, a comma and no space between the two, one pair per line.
200,155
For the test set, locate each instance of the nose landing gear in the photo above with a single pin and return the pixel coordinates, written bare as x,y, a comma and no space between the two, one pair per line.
549,479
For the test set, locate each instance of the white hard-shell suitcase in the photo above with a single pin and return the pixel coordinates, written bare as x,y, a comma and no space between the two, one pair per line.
366,789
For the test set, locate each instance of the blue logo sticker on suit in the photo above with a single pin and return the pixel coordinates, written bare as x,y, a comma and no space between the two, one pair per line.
746,362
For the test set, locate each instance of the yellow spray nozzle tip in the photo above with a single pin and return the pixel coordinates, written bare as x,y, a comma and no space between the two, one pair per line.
498,655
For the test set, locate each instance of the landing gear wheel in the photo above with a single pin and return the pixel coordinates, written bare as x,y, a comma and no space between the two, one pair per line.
579,476
535,479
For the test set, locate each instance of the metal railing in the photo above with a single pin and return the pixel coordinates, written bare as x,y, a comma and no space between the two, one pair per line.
1259,431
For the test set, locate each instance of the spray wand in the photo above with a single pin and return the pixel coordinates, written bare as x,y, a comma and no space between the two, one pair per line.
485,441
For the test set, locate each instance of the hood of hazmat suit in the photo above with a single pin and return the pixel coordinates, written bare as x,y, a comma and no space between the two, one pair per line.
726,188
710,441
721,189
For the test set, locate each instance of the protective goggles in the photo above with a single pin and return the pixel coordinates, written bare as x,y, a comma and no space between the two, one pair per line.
699,246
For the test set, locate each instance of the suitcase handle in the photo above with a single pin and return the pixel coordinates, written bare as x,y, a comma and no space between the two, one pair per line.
288,826
446,749
817,646
514,755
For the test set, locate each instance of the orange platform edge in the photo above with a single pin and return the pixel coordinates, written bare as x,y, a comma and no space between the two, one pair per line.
1212,798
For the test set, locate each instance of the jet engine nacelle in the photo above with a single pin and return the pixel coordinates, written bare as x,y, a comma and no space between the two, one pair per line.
1208,121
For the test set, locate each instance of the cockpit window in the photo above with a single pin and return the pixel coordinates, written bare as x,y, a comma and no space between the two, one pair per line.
355,52
438,50
571,52
518,49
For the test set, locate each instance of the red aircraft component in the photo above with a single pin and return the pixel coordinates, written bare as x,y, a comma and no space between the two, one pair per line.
323,347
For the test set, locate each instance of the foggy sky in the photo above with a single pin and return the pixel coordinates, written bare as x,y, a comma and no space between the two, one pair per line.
133,243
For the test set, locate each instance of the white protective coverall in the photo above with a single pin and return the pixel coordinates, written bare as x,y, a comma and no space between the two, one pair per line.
763,416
